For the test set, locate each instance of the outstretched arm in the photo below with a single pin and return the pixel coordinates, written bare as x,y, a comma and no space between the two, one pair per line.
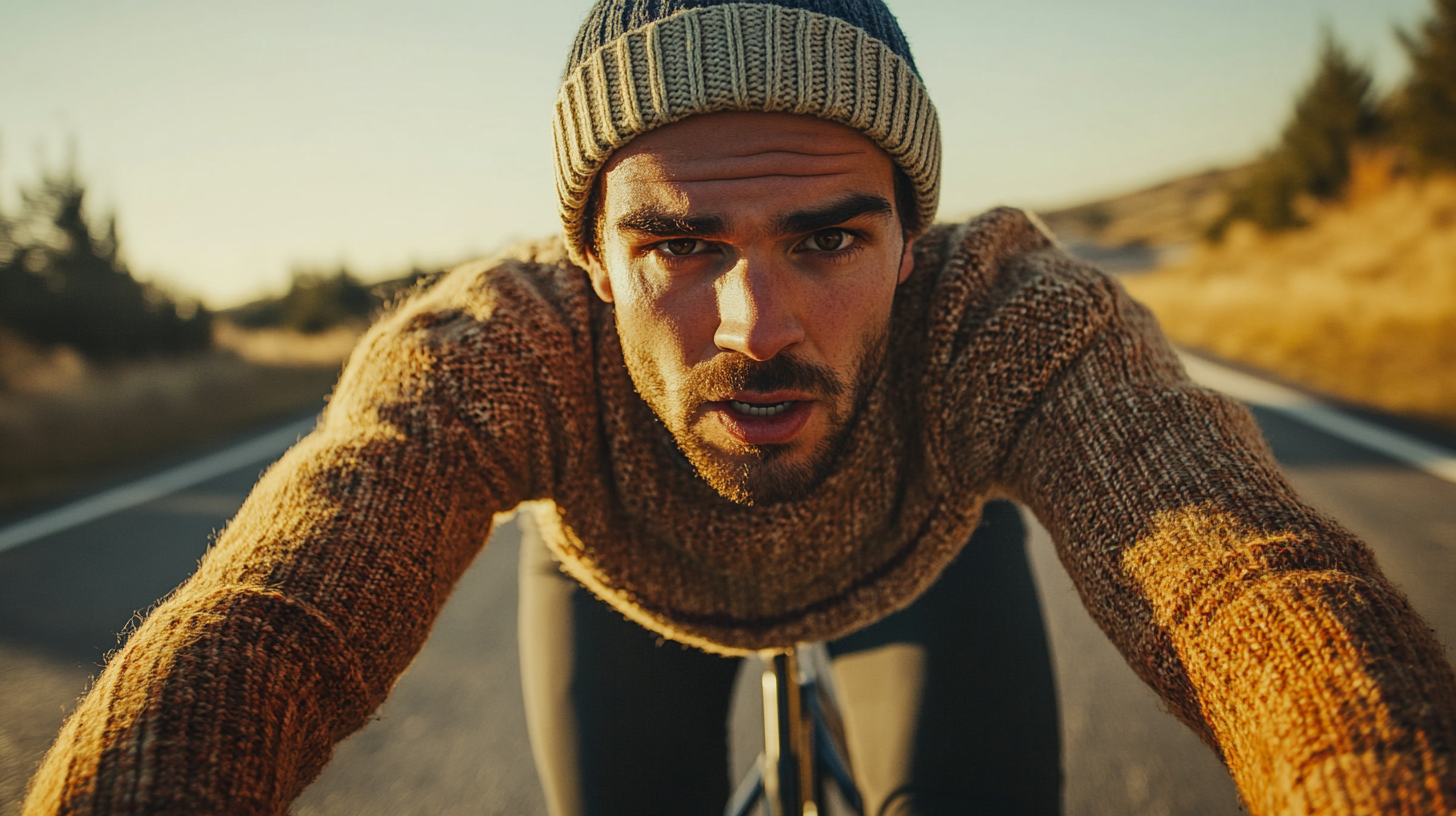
230,697
1264,625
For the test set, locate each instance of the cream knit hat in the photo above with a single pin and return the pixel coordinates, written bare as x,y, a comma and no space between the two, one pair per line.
642,64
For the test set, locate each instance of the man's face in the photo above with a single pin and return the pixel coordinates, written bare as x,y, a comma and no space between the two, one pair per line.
752,259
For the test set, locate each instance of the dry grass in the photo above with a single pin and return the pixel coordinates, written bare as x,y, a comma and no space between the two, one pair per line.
65,424
284,347
1360,305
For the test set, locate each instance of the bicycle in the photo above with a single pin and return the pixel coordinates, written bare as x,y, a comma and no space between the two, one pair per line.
803,737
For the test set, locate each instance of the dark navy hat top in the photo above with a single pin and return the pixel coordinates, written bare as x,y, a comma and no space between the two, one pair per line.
610,19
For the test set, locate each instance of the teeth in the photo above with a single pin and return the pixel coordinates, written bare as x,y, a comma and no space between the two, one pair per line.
749,409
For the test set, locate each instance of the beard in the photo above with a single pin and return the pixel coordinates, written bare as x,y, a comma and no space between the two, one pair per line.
759,474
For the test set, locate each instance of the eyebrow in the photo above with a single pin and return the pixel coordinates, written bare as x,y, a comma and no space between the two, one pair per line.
666,224
845,209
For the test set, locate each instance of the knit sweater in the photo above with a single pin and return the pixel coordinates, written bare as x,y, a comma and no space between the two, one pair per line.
1013,371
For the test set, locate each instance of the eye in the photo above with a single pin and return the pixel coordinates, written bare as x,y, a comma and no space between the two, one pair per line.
829,240
682,247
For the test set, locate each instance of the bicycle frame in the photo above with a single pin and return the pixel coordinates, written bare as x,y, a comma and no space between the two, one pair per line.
803,736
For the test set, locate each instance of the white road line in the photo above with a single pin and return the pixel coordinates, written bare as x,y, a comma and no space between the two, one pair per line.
1432,459
259,449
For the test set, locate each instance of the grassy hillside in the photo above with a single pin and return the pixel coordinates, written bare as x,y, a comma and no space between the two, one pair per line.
1360,304
1140,230
66,424
1173,214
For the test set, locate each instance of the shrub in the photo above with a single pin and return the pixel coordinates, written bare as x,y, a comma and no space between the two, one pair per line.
63,282
319,301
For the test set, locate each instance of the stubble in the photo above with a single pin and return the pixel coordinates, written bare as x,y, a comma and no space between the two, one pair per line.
761,474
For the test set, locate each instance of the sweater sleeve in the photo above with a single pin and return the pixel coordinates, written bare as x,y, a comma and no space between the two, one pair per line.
230,696
1264,625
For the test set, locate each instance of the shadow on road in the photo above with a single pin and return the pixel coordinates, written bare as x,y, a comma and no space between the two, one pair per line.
69,596
66,600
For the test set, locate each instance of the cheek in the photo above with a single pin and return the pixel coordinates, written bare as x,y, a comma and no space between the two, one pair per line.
671,328
847,314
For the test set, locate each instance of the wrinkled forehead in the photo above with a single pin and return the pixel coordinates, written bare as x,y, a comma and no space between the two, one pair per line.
738,156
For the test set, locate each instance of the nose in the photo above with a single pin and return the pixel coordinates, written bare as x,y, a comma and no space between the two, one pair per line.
757,314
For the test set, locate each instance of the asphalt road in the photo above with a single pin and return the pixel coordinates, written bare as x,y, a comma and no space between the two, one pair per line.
451,738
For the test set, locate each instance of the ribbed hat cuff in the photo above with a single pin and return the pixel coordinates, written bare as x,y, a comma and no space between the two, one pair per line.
739,57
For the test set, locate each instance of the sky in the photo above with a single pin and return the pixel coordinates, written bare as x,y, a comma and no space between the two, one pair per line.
237,141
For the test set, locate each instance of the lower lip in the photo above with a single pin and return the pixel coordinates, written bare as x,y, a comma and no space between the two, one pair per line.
764,430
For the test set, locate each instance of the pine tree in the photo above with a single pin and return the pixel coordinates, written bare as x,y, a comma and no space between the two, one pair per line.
8,249
1425,118
1336,111
65,283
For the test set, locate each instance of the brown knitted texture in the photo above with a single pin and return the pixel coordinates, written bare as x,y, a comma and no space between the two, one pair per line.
739,57
1014,370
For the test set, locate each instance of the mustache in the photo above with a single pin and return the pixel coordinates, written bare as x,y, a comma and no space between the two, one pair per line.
727,373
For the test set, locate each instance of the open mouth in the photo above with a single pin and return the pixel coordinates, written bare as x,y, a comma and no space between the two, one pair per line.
757,410
773,422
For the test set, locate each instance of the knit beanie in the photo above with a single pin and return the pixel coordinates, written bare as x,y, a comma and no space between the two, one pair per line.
637,65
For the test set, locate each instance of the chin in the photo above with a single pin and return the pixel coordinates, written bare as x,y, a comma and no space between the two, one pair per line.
761,476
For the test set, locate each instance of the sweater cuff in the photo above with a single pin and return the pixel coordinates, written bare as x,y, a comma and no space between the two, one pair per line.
1328,695
227,700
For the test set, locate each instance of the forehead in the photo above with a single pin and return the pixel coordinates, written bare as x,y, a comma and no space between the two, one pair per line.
762,161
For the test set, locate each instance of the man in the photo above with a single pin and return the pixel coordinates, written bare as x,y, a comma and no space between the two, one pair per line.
760,400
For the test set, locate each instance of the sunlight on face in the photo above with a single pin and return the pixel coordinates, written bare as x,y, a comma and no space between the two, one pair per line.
752,259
